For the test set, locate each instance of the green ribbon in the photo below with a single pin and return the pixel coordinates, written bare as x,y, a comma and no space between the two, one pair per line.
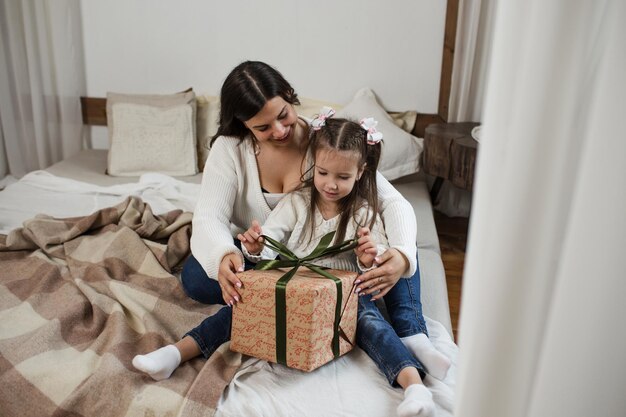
290,260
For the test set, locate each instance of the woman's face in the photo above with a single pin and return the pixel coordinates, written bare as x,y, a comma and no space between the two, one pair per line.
275,123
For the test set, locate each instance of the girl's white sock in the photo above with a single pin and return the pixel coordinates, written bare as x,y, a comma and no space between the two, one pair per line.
436,363
158,364
418,402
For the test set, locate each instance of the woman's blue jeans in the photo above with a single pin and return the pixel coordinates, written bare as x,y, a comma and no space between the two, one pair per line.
376,336
215,329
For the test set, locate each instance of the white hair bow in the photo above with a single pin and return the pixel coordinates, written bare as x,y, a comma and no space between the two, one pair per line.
320,120
373,136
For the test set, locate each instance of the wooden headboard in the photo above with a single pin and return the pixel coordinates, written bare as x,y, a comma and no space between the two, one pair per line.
94,108
94,111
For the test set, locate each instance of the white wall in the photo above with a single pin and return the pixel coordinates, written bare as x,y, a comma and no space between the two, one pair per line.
326,49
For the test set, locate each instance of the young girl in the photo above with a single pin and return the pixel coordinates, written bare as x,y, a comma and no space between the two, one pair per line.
346,156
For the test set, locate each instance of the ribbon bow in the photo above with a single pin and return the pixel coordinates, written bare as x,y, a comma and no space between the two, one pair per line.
320,120
373,135
292,261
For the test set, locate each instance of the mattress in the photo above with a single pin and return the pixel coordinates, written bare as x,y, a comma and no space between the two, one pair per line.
349,385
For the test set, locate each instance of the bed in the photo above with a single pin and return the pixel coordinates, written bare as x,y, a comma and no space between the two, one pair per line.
89,277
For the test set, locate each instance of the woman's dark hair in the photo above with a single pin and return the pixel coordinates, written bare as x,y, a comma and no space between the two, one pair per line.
245,91
346,135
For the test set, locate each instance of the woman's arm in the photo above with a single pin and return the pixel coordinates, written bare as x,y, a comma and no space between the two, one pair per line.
211,239
400,223
401,230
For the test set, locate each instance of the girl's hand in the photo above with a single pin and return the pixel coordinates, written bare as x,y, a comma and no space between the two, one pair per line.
227,279
252,239
366,251
391,266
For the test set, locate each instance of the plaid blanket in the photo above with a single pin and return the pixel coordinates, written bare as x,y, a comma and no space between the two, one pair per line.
80,297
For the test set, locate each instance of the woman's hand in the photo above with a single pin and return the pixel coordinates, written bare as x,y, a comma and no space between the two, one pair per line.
227,278
391,266
252,239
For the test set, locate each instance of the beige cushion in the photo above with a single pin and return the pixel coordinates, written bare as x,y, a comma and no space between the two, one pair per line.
207,119
401,152
152,133
404,120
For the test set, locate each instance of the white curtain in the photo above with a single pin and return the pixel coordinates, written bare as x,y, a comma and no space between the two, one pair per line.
42,77
471,56
542,327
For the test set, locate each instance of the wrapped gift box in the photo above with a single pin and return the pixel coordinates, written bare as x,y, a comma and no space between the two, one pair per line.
310,315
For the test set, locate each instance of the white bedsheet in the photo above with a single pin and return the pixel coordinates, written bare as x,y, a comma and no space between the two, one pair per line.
349,386
42,192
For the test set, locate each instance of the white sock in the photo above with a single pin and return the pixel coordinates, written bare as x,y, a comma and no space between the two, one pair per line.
436,363
158,364
418,402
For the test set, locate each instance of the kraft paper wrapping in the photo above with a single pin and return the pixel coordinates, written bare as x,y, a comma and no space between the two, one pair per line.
310,300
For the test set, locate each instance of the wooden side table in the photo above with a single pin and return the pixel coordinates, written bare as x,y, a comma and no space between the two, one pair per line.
450,154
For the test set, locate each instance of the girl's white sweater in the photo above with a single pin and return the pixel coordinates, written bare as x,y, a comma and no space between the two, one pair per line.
287,224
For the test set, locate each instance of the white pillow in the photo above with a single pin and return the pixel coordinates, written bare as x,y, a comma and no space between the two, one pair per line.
401,151
152,133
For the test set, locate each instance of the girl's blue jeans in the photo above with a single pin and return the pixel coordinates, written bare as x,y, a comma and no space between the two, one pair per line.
375,335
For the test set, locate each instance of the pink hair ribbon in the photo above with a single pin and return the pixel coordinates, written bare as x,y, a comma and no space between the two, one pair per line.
320,120
373,135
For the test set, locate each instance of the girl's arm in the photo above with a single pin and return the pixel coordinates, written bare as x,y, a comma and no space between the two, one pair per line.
252,241
370,246
279,225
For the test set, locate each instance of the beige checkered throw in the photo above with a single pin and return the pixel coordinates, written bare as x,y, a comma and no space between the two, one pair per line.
80,297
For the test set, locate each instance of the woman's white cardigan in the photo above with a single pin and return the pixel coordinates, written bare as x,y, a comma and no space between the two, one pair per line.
231,197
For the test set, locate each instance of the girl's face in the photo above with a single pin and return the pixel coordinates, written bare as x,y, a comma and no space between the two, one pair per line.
335,173
275,123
